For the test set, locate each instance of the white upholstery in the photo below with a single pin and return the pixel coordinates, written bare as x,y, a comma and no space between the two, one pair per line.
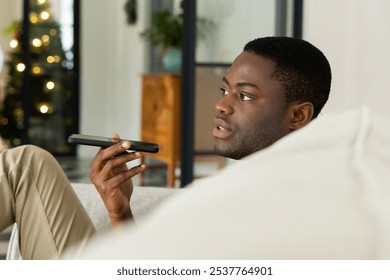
143,201
322,192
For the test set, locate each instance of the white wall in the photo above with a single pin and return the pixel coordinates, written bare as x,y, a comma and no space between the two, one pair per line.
355,36
231,17
9,11
113,59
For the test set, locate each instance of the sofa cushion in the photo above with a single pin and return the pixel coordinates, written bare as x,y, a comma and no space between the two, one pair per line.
143,201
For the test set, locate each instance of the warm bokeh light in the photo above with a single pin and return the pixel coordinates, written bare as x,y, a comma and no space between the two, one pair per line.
53,32
33,18
45,38
36,70
37,42
41,2
45,15
20,67
50,85
57,58
50,59
14,43
45,108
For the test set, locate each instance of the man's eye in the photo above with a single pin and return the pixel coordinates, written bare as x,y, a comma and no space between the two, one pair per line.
245,97
224,91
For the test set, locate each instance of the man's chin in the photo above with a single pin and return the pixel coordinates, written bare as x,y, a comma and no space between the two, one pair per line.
226,152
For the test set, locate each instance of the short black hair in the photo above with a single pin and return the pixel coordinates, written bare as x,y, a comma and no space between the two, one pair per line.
301,68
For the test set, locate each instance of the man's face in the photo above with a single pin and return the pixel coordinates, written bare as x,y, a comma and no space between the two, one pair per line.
251,114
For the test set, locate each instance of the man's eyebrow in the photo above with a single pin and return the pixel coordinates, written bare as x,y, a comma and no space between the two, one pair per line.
241,84
225,80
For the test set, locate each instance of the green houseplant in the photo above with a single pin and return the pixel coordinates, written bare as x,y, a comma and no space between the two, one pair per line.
166,32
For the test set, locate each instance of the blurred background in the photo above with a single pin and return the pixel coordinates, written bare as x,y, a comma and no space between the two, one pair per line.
77,66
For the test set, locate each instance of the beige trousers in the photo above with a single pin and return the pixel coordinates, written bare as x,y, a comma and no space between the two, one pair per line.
36,194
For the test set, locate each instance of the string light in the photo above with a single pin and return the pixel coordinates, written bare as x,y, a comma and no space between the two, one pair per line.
45,38
37,42
50,85
37,70
20,67
33,18
50,59
14,43
45,108
45,15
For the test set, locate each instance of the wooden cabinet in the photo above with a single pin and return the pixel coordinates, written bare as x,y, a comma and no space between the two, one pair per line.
161,118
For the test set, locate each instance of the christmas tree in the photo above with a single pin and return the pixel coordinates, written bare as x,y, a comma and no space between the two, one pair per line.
49,94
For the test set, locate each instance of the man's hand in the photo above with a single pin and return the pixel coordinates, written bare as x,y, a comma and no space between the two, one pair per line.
112,179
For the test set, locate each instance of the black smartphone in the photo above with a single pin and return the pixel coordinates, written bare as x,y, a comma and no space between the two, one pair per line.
105,142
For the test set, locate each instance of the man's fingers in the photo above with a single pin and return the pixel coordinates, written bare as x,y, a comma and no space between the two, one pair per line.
115,136
122,177
118,162
106,154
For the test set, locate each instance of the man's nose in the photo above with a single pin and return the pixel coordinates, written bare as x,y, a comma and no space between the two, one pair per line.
224,105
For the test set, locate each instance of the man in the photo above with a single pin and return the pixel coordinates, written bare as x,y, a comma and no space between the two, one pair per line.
275,86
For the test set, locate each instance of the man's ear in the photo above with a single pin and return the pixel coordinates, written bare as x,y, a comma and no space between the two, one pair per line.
300,115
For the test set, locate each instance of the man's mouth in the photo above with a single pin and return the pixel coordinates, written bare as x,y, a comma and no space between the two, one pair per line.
221,129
